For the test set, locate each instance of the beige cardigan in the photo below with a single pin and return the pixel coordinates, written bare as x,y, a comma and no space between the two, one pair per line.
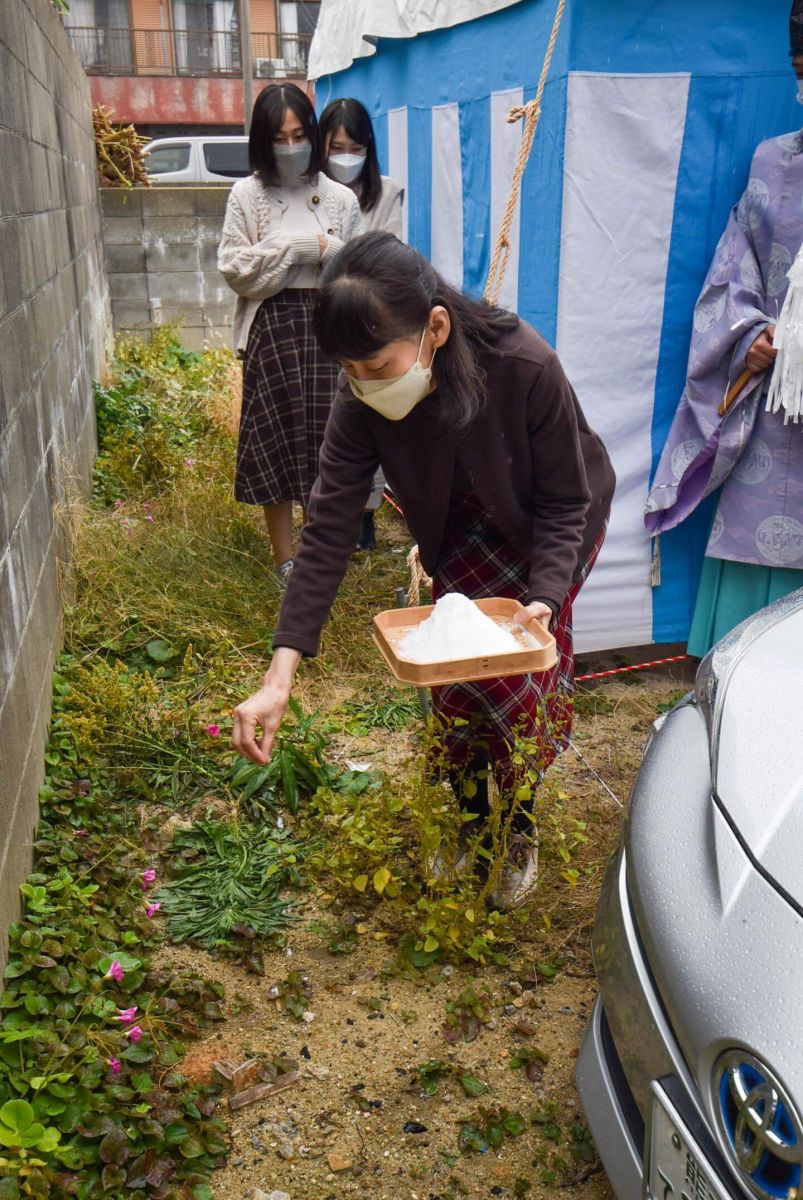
258,260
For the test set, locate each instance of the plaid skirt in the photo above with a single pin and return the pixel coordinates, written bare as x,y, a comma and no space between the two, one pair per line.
479,719
288,388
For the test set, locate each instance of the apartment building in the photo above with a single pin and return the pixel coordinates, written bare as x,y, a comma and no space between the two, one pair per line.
176,66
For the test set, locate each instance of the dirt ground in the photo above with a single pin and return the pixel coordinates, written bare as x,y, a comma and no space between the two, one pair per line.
340,1130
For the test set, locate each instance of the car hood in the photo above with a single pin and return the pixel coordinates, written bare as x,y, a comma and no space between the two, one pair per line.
758,755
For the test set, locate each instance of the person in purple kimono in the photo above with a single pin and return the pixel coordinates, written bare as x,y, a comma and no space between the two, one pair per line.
723,436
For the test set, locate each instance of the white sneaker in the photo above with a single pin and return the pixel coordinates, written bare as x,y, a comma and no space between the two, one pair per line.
437,864
520,872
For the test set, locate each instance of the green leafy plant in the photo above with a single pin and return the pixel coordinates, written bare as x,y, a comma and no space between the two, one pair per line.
153,414
341,937
19,1129
298,767
489,1130
293,993
466,1015
565,1154
388,709
431,1073
228,883
532,1059
91,1037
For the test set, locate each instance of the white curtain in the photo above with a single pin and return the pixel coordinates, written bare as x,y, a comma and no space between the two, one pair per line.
223,18
86,43
180,23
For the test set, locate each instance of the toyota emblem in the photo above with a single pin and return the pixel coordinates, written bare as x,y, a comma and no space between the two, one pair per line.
761,1126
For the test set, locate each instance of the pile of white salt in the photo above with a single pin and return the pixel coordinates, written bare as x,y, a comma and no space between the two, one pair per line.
456,629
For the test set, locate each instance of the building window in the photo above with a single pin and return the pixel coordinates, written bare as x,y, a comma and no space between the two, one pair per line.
206,35
101,33
298,19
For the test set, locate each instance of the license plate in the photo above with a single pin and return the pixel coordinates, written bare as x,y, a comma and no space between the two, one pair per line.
676,1167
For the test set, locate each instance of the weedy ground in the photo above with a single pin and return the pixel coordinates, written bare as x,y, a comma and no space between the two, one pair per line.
292,917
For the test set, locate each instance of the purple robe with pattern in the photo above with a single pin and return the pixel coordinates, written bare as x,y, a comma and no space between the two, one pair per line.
756,459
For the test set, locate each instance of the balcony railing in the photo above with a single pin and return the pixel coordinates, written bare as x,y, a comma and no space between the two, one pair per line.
106,51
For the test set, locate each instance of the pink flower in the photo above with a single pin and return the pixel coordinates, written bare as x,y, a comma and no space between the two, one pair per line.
126,1015
115,972
134,1033
118,504
147,878
189,462
148,517
147,507
115,1066
150,909
213,730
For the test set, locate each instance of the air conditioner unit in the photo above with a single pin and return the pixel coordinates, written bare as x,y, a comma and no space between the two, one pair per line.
270,68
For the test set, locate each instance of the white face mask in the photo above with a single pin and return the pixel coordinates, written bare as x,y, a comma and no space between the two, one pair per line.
395,398
345,168
800,91
293,161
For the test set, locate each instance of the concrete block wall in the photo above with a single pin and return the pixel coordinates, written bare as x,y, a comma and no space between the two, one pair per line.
54,319
161,258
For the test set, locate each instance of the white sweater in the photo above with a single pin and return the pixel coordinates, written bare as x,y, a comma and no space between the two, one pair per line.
258,260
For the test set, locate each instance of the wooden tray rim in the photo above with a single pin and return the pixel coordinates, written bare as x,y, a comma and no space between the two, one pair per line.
461,670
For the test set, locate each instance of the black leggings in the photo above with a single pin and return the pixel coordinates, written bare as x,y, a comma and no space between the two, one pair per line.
479,803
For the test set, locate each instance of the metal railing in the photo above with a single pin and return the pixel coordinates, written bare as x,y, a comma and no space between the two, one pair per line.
112,51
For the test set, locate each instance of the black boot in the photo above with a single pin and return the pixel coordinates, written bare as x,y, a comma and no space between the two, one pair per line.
367,538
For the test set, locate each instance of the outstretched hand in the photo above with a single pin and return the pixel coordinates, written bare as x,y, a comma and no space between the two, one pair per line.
265,709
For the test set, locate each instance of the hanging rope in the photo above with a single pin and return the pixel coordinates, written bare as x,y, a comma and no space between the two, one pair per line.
417,576
531,112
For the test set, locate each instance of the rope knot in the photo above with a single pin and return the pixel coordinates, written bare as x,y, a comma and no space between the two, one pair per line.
531,109
531,112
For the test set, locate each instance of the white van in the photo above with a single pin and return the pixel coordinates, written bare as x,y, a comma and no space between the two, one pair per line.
197,159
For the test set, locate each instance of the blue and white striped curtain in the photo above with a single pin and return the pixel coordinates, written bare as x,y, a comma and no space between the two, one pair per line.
650,118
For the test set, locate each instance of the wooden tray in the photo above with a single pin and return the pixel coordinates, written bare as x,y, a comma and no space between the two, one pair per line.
391,626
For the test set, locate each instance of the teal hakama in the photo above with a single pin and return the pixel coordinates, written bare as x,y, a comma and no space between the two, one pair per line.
730,592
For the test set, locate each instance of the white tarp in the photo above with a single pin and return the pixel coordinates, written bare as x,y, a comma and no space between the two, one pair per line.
347,29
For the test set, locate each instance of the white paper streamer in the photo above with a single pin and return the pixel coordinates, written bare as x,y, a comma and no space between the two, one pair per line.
786,388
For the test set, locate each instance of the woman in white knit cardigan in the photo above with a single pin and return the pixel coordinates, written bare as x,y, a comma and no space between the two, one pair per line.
283,224
349,146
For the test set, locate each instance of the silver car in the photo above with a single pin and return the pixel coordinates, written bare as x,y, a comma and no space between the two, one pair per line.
691,1069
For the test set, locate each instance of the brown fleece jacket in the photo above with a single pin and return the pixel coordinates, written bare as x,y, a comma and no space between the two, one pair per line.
542,474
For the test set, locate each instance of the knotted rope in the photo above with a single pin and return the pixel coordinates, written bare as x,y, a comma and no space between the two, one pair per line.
531,112
417,576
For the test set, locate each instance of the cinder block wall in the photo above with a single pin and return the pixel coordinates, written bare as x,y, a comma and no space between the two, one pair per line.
161,258
53,328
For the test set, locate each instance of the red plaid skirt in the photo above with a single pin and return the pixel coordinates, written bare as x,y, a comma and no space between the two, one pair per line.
480,718
288,388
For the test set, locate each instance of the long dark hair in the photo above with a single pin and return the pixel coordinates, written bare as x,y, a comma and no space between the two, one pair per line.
266,121
354,118
378,290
